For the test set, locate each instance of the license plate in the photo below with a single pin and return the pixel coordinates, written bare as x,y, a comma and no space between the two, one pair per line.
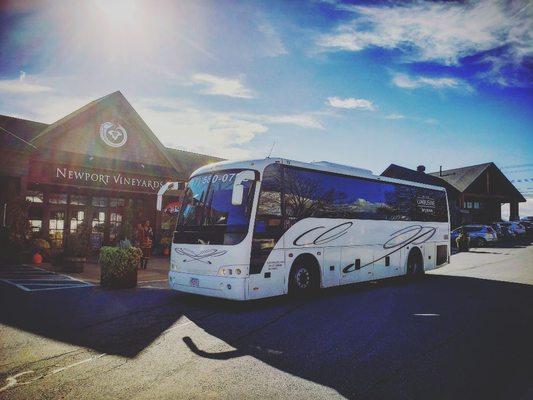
195,282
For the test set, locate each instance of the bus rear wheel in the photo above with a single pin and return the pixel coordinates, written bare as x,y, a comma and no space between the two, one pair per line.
415,264
303,279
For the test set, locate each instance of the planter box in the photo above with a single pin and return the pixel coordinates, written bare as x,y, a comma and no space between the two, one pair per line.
74,264
126,281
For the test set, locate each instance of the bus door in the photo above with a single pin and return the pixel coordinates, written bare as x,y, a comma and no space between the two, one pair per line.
356,264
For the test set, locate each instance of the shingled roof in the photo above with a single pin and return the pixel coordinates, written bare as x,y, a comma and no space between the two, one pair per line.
17,133
399,172
462,178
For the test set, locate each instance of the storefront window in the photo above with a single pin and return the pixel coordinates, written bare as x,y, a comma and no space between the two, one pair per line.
57,198
78,200
36,224
98,225
98,222
76,220
35,217
99,201
115,220
114,202
57,226
34,196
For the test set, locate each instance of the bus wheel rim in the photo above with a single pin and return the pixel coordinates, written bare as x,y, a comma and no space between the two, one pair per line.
303,278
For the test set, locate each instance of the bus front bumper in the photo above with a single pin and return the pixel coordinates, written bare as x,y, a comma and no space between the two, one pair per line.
207,285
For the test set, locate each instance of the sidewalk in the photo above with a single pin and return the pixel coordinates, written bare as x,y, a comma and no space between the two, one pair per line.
155,276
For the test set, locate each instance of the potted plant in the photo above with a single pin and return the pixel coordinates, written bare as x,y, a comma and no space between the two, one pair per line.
42,246
118,267
76,250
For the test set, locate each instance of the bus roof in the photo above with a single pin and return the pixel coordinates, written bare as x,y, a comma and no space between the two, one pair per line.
261,164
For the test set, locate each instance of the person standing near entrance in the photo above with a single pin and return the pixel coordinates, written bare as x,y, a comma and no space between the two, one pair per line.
146,243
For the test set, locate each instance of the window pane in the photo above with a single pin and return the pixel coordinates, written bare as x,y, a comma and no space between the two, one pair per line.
76,220
57,198
36,224
115,220
115,202
34,196
79,200
57,222
99,201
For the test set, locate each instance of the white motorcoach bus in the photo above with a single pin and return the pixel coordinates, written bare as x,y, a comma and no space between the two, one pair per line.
261,228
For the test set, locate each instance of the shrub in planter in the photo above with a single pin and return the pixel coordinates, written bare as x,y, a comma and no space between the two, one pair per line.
118,267
76,250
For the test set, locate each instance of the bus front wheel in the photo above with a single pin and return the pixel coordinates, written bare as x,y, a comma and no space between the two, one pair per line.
303,278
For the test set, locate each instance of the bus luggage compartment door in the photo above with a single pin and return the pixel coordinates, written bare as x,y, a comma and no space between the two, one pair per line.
356,264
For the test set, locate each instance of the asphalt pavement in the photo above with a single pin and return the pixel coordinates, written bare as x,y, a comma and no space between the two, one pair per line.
462,332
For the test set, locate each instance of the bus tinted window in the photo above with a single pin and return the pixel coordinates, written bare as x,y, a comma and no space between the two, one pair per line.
319,194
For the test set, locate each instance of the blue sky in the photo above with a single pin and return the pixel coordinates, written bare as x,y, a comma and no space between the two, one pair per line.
361,83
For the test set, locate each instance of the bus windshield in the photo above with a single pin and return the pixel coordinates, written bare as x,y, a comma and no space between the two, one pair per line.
207,215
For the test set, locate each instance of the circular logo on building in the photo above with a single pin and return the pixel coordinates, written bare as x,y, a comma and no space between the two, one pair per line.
113,135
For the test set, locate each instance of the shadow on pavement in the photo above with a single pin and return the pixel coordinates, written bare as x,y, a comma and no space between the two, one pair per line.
373,340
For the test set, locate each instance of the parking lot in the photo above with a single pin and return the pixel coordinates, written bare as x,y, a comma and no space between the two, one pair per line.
464,331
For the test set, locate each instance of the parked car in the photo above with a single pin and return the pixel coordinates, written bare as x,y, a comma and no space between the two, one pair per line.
528,225
479,235
515,227
505,233
527,219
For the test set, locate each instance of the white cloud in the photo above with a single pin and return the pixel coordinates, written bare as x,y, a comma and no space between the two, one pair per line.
438,32
408,82
395,116
351,103
225,134
22,86
273,46
217,85
300,120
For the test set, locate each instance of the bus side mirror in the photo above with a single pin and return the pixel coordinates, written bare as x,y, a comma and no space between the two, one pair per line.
237,194
165,188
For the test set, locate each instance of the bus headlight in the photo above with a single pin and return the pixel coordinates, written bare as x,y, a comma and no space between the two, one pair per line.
238,271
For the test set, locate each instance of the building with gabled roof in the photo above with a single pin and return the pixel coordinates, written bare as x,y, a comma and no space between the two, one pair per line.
87,166
476,193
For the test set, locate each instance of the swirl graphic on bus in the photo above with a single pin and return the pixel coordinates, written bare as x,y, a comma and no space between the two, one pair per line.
316,235
414,234
201,256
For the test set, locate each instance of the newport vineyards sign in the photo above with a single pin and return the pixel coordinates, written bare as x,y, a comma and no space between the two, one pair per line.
113,180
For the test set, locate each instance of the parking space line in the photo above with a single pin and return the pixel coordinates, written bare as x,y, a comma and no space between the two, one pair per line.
30,278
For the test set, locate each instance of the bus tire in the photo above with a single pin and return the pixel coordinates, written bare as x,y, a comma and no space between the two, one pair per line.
304,277
415,264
